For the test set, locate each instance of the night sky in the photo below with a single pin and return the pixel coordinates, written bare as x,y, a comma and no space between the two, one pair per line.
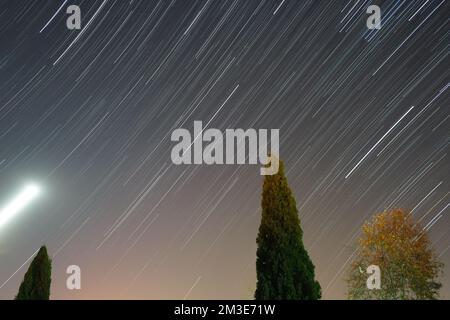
87,114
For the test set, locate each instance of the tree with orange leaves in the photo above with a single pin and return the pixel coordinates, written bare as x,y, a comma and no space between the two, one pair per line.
409,268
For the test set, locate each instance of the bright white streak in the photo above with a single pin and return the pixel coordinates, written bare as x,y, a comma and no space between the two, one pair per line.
54,15
376,144
18,203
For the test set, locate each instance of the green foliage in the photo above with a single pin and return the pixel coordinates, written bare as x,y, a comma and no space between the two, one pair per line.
36,282
284,269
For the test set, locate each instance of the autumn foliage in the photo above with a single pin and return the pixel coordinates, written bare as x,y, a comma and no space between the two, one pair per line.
409,267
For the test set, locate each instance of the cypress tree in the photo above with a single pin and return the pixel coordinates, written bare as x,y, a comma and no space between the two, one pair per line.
284,269
37,279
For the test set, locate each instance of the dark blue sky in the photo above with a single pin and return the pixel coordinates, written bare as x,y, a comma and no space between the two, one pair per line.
363,118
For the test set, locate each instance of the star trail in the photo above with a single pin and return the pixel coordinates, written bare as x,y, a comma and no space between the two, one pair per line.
363,119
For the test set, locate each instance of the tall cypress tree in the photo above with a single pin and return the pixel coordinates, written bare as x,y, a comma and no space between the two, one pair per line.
36,283
284,269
